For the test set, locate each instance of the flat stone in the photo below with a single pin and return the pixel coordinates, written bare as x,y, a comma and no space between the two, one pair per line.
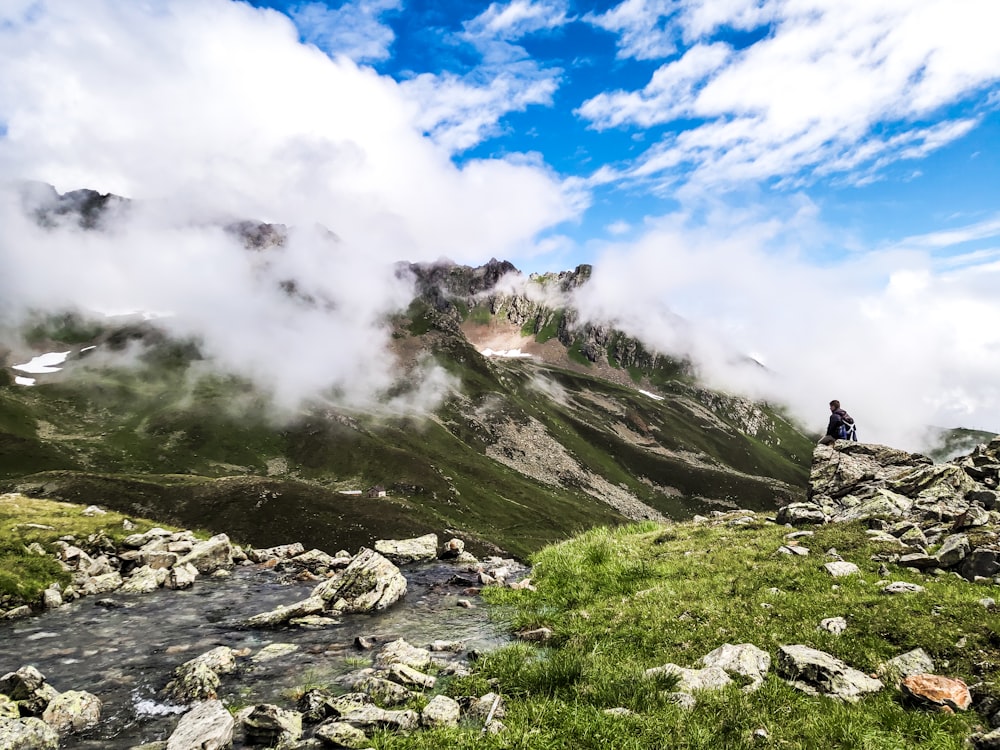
440,711
207,726
936,691
902,587
911,663
742,659
810,669
692,680
841,569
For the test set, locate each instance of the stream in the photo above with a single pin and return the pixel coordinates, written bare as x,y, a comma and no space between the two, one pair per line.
125,653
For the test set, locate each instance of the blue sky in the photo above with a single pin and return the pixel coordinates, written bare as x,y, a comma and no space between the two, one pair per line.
813,182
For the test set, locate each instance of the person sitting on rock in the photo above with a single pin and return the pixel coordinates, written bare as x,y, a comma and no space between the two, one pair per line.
840,426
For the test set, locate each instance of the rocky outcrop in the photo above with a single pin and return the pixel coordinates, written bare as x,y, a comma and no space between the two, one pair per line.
937,516
369,584
818,673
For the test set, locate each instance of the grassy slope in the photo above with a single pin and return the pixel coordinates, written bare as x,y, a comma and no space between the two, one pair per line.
622,601
159,437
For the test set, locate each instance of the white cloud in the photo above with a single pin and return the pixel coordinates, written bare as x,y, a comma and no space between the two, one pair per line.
904,338
518,18
640,25
354,29
210,110
812,96
459,112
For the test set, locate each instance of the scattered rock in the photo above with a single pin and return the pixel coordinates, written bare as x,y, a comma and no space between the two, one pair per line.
817,672
841,569
369,584
902,587
342,734
911,663
943,693
404,551
207,726
441,711
743,659
73,711
271,726
835,625
27,734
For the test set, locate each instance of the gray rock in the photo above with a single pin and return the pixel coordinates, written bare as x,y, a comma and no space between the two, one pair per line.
743,659
383,691
441,711
102,584
207,726
902,587
800,514
144,580
281,552
975,515
28,688
52,598
8,708
452,549
271,726
136,541
919,560
401,652
27,734
198,679
488,706
369,584
953,550
282,615
402,551
406,675
211,555
873,503
364,717
835,625
181,576
274,651
342,734
905,665
692,680
73,711
17,612
841,568
815,671
981,561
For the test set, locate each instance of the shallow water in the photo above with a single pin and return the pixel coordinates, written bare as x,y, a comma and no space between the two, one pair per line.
125,655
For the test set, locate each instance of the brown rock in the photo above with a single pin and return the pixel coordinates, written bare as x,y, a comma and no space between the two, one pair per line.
944,693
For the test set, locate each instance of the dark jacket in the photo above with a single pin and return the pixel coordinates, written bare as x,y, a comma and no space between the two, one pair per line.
838,418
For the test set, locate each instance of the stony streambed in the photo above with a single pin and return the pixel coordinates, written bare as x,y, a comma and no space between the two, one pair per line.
124,647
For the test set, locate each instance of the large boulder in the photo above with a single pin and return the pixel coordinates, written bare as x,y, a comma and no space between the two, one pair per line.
271,726
744,659
207,726
27,734
198,679
73,711
402,551
28,689
817,672
369,584
211,555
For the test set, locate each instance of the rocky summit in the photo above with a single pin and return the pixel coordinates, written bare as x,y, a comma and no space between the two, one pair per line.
934,516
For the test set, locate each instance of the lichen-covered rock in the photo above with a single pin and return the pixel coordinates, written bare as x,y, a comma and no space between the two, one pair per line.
207,726
181,576
271,726
101,584
144,580
406,675
441,711
817,672
801,514
8,708
342,734
27,687
364,717
282,615
198,679
27,734
383,691
369,584
211,555
403,551
693,680
401,652
841,568
73,711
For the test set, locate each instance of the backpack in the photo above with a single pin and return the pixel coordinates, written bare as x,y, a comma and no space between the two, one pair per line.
848,431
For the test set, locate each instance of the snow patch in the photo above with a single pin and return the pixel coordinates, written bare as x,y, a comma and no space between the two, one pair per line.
43,363
20,380
651,395
509,353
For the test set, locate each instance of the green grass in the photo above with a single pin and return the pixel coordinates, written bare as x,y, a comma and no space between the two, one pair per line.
621,601
24,521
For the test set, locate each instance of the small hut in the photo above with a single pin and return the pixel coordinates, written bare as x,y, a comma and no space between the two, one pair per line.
377,491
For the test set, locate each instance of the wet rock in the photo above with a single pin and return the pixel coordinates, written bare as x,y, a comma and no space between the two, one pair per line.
144,580
452,549
441,711
161,559
211,555
27,687
102,584
17,612
73,711
817,672
342,734
401,652
8,708
935,691
403,551
271,726
198,679
274,651
315,705
280,552
27,734
181,576
537,635
52,598
207,726
317,561
284,614
743,659
369,584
